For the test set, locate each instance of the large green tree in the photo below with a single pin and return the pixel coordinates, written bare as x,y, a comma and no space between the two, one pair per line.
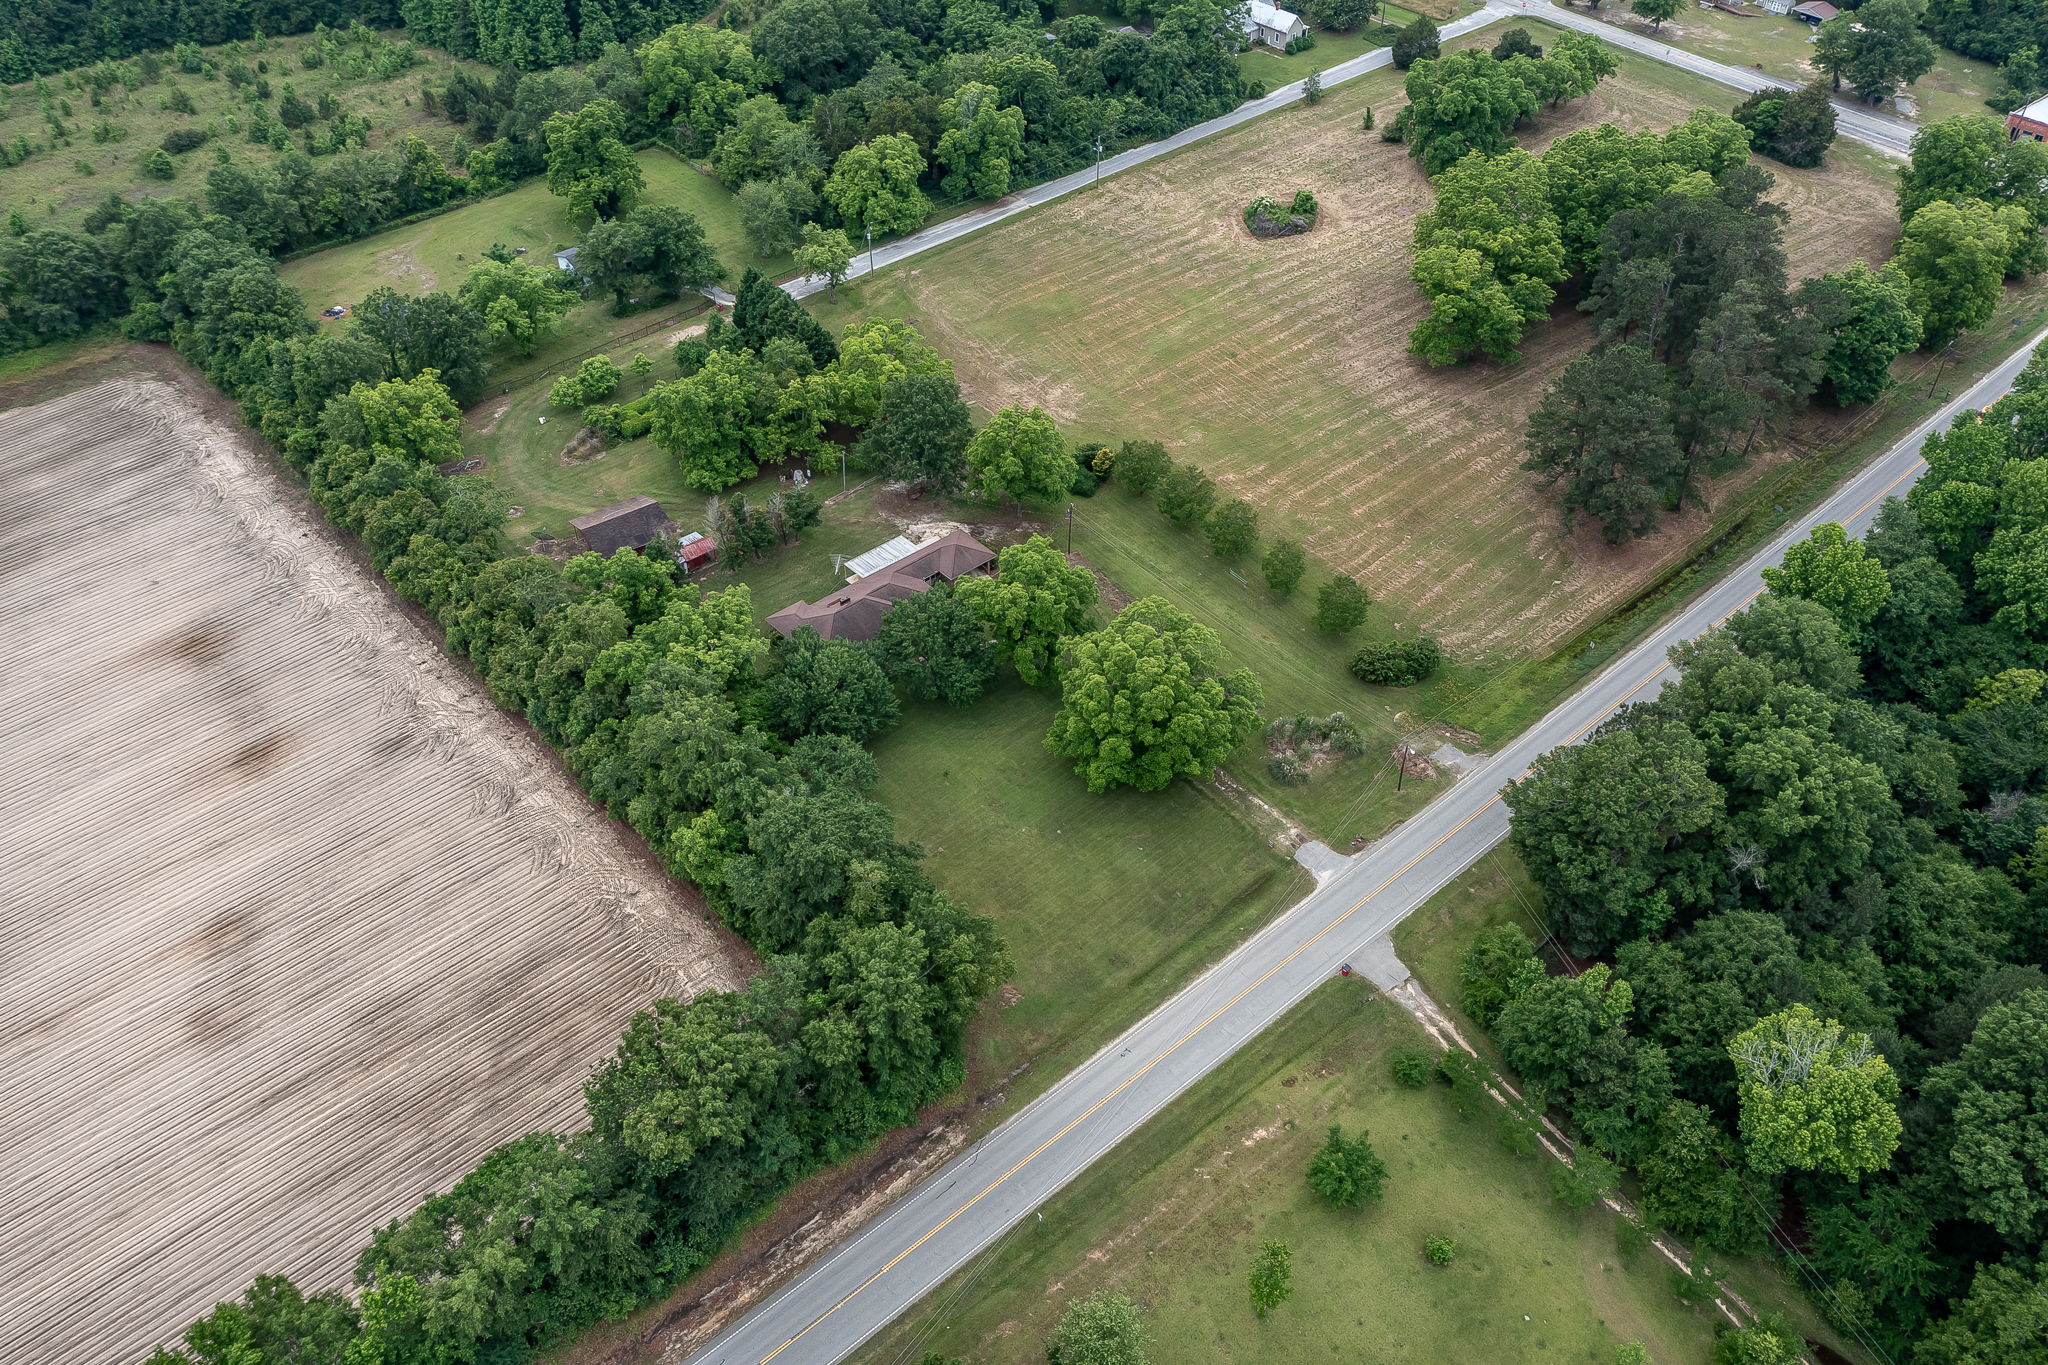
1969,156
1876,49
519,304
983,144
1813,1096
588,162
1993,1103
1346,1172
935,648
1035,600
1835,572
874,185
1603,431
1868,319
649,254
921,432
1146,700
1020,455
1954,256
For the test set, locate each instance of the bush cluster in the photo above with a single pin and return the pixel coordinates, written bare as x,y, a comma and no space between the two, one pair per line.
1397,663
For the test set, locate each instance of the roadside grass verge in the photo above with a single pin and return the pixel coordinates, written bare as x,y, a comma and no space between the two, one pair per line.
1109,903
1173,1216
1497,890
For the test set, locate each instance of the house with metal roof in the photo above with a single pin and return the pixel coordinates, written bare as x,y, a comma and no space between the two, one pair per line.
1269,24
627,525
880,578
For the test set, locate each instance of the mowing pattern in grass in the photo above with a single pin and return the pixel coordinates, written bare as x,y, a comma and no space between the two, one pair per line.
50,190
1144,309
1107,902
1174,1215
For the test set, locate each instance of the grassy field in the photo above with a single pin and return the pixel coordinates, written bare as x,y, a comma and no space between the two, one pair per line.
1108,903
438,252
1174,1215
51,188
1142,308
1783,46
1497,890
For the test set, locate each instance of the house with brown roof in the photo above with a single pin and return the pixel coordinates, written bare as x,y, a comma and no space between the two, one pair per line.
882,577
627,525
1814,11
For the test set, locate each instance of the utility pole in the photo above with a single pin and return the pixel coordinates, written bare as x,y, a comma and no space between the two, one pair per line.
1098,158
1070,528
871,250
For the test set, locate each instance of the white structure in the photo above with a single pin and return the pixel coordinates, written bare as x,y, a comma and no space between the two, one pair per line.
879,558
1271,25
565,259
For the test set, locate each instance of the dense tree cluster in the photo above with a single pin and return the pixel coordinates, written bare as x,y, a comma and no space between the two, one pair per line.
1989,30
1876,48
1815,869
750,783
1470,101
1508,227
1704,347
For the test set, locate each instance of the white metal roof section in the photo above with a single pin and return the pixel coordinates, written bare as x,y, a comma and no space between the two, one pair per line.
880,558
2037,111
1269,16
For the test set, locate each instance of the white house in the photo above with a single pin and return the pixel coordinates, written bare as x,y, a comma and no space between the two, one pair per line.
1271,25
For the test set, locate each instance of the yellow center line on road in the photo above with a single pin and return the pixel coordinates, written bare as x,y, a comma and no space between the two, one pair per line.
1268,975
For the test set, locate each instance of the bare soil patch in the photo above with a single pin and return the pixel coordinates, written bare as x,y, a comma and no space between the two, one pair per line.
300,925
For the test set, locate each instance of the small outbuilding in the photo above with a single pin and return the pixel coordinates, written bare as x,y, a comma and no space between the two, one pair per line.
628,525
2029,120
884,575
696,552
565,260
1814,11
1270,25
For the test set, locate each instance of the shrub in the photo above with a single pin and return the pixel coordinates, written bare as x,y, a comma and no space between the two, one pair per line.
1306,41
1265,205
1411,1068
595,378
181,140
690,354
1440,1250
1085,480
1304,204
158,163
1289,769
1397,663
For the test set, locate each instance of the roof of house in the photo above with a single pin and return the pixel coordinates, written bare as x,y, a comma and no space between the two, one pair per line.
1819,9
1270,16
623,525
2036,112
696,546
855,611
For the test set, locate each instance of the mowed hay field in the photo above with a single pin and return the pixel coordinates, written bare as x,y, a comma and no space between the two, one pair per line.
299,926
1143,308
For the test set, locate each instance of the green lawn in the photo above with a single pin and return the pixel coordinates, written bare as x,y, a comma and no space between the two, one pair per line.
1108,903
1783,46
50,188
1174,1215
1497,890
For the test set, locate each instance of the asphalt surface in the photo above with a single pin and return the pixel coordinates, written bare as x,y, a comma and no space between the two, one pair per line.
1891,135
886,1267
1882,131
883,1269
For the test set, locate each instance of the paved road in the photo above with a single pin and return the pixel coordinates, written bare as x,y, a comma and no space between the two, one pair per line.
1882,131
1887,134
938,234
892,1262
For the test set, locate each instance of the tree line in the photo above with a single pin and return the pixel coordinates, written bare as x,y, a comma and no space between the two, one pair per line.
1705,347
753,784
1814,875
